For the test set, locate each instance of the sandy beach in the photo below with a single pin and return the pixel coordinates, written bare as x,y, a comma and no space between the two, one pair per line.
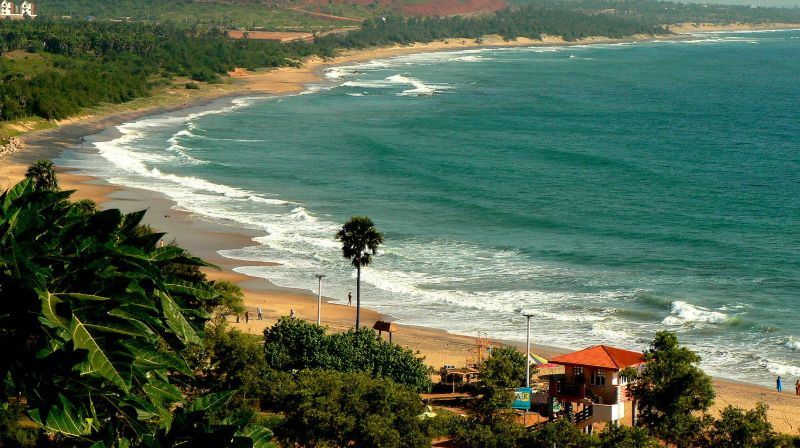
205,239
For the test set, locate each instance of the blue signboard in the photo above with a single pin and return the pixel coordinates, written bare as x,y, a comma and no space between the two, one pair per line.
522,398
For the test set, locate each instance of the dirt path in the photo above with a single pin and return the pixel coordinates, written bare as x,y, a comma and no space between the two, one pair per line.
327,16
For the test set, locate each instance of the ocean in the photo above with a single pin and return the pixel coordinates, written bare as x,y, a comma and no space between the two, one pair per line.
610,190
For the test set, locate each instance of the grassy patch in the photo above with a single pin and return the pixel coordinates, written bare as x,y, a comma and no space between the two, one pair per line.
23,126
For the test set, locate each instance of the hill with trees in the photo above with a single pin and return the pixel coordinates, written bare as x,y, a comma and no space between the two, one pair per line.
659,12
288,14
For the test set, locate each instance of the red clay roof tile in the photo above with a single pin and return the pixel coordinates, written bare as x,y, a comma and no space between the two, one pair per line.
601,356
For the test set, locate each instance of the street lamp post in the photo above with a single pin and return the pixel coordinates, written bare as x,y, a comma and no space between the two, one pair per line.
319,298
527,363
528,352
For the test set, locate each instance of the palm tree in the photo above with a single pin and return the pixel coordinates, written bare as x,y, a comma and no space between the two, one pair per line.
43,175
360,240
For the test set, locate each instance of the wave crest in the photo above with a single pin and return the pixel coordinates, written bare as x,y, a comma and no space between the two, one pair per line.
683,313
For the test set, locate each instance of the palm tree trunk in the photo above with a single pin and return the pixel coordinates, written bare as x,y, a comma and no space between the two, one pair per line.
358,296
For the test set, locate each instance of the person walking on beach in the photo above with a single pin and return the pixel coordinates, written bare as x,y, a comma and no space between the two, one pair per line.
779,384
246,317
258,311
350,298
291,314
797,388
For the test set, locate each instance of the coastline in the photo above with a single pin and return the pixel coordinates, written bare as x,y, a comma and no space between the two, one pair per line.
204,238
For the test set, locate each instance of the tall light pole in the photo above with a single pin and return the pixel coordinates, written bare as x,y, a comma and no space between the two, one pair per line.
319,298
528,352
527,364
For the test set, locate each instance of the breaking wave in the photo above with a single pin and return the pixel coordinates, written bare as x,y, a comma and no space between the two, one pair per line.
683,313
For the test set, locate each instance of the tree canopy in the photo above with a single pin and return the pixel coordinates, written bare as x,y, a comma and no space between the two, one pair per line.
671,390
293,344
95,331
328,408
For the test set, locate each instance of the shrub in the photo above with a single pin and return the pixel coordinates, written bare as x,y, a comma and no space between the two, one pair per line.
293,344
327,408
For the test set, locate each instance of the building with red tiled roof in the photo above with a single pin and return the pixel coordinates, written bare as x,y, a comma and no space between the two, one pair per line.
592,380
601,356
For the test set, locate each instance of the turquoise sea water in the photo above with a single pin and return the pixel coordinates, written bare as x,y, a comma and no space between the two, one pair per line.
611,190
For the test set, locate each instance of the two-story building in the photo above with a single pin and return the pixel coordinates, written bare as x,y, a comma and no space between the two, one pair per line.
26,9
592,381
9,10
6,8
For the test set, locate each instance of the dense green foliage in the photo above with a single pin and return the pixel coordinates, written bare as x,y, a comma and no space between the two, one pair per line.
360,240
327,408
94,330
89,63
671,389
740,428
43,175
561,433
230,360
665,12
232,14
503,371
528,21
293,344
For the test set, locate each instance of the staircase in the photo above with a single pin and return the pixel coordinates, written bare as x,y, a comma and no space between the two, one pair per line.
592,396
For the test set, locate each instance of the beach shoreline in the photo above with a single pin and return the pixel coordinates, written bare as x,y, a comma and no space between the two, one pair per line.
206,239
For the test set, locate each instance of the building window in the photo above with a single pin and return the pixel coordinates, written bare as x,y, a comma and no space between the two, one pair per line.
599,378
577,372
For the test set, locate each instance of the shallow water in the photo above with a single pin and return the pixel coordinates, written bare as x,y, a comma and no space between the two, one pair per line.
612,190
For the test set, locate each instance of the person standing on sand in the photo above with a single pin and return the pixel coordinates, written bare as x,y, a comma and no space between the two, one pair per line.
291,314
779,384
258,311
246,317
797,388
350,298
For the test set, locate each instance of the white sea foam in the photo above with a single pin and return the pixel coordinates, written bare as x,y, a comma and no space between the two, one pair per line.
419,88
337,72
781,368
792,343
683,313
377,84
468,59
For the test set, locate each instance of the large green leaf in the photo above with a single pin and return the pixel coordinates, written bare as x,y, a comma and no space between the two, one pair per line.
11,223
190,288
85,297
17,191
176,321
167,253
145,410
63,418
131,220
260,436
98,359
49,304
150,359
211,402
163,392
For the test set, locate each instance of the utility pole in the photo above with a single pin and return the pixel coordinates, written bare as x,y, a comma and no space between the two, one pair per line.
527,365
528,352
319,298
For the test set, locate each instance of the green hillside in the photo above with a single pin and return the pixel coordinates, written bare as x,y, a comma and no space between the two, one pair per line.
239,14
